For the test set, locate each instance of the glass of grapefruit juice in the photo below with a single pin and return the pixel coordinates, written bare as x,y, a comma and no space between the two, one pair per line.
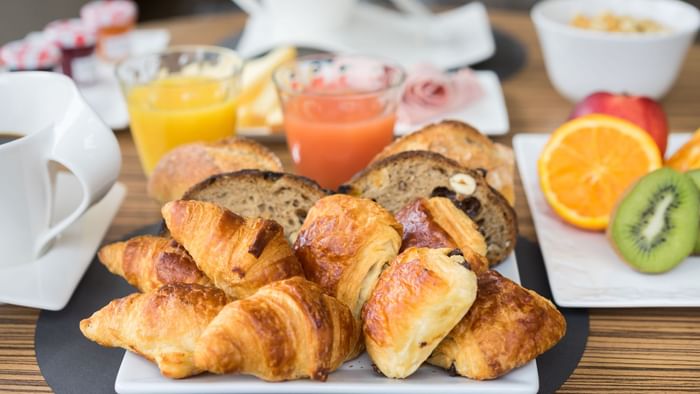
181,95
339,112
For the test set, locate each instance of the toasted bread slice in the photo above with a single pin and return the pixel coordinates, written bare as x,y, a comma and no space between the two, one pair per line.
284,198
396,180
465,145
189,164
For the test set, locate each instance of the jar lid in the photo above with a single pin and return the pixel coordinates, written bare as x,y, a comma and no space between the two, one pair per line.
103,13
70,33
32,53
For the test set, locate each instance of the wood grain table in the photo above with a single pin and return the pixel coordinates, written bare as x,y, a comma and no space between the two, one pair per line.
631,350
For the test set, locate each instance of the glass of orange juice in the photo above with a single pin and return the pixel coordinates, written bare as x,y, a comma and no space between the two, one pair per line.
181,95
339,112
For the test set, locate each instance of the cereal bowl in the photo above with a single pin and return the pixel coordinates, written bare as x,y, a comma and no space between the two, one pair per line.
581,61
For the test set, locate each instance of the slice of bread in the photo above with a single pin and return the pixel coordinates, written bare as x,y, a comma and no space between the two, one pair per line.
284,198
189,164
396,180
465,145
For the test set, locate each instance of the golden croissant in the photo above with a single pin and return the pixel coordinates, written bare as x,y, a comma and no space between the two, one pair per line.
437,223
343,245
239,255
149,262
418,299
286,330
162,325
506,327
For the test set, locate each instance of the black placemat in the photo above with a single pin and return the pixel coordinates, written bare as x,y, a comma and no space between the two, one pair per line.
509,57
72,364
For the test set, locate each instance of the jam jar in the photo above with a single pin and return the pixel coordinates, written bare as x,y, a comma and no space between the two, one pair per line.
32,53
77,42
113,20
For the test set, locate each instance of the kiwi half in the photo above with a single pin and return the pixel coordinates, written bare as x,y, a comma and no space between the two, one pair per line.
695,176
655,224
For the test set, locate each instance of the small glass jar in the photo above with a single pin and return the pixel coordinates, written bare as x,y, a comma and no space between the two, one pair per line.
77,42
32,53
113,20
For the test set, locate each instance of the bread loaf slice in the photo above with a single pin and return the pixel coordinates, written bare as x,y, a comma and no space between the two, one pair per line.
189,164
396,180
284,198
467,146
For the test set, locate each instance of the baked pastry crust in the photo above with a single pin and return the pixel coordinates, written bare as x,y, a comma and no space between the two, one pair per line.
506,327
239,255
148,262
467,146
162,325
189,164
287,330
437,223
418,299
343,245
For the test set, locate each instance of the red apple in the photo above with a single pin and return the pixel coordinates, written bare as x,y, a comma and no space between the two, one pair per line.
642,111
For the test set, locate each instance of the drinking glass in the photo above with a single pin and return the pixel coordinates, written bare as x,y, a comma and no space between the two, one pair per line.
339,112
181,95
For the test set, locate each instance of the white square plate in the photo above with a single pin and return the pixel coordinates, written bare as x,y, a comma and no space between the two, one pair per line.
137,375
582,267
49,282
488,114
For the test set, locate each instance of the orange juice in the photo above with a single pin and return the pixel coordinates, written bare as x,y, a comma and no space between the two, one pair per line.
331,137
176,110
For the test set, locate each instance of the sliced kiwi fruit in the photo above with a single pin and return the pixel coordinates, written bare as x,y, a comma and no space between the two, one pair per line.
655,224
695,176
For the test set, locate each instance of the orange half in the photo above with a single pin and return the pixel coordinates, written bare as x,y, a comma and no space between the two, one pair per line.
588,163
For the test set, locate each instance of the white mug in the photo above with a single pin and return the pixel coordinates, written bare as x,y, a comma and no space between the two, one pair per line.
311,16
53,124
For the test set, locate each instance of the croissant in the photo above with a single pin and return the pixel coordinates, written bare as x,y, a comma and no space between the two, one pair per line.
343,245
162,325
239,255
287,330
149,262
506,327
418,299
437,223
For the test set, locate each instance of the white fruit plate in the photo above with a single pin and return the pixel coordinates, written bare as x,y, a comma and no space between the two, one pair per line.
137,375
582,267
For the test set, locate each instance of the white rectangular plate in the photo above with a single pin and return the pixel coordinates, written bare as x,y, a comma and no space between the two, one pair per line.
137,375
488,114
582,267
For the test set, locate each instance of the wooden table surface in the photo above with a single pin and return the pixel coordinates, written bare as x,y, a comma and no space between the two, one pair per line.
628,349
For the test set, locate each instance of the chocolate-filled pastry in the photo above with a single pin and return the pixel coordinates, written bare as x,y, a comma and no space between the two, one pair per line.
343,245
162,325
148,262
286,330
238,254
438,223
506,327
418,299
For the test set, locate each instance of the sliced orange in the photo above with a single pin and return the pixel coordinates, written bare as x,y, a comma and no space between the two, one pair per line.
588,163
688,156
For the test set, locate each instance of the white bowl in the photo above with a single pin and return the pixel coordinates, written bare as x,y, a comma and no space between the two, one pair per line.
580,62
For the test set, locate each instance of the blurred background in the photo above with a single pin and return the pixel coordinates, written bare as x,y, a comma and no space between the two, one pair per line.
28,15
